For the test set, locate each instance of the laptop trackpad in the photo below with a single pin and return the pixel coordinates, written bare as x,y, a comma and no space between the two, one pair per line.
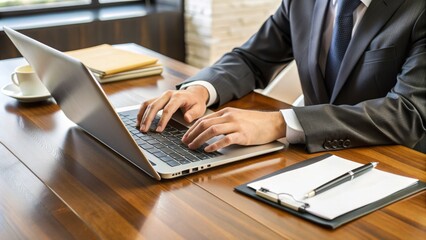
227,149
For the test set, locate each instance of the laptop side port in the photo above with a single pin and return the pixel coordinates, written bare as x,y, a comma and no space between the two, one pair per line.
185,172
195,169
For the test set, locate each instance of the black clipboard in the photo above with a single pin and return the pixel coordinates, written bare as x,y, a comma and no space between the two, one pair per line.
345,218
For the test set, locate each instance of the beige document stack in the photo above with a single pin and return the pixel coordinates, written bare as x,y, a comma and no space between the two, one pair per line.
110,64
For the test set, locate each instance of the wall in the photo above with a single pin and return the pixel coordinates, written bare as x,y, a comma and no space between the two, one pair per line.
213,27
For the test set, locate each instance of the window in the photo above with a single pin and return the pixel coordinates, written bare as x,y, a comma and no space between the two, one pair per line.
14,5
114,1
21,7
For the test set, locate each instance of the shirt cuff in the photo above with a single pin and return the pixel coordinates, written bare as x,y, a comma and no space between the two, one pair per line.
295,133
212,91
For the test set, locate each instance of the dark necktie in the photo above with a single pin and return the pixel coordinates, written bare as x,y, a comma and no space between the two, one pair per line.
342,32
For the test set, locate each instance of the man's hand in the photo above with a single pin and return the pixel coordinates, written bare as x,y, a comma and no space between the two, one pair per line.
242,127
192,101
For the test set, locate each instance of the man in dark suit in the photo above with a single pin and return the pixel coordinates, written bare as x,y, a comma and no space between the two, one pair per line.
363,76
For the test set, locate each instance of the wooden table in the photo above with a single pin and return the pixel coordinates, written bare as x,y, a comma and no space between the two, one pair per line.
58,182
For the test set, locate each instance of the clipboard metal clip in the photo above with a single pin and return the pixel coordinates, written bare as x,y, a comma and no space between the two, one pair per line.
284,199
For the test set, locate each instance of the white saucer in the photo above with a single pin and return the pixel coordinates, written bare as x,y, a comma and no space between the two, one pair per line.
13,91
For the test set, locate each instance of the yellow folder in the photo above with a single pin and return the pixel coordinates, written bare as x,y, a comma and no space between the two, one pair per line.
105,59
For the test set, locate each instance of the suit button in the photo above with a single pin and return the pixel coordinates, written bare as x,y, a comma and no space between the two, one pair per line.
327,145
341,141
346,143
334,144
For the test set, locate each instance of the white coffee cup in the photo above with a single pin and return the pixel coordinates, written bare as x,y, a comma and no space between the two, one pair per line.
27,80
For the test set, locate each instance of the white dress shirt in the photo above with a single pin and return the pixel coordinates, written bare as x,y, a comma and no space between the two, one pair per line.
295,133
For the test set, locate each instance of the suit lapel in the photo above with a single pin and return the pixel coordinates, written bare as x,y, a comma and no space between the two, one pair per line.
317,80
375,17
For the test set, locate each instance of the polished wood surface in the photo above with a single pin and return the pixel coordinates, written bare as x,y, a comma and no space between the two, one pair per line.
58,182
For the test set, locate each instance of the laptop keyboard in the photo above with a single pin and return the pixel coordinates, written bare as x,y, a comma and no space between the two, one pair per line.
166,146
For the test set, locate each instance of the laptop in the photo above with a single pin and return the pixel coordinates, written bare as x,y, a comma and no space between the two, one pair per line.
83,101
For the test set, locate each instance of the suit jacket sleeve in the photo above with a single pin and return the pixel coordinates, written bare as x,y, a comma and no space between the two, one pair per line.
253,64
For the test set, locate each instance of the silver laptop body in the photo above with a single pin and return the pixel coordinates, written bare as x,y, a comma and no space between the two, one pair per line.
83,101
